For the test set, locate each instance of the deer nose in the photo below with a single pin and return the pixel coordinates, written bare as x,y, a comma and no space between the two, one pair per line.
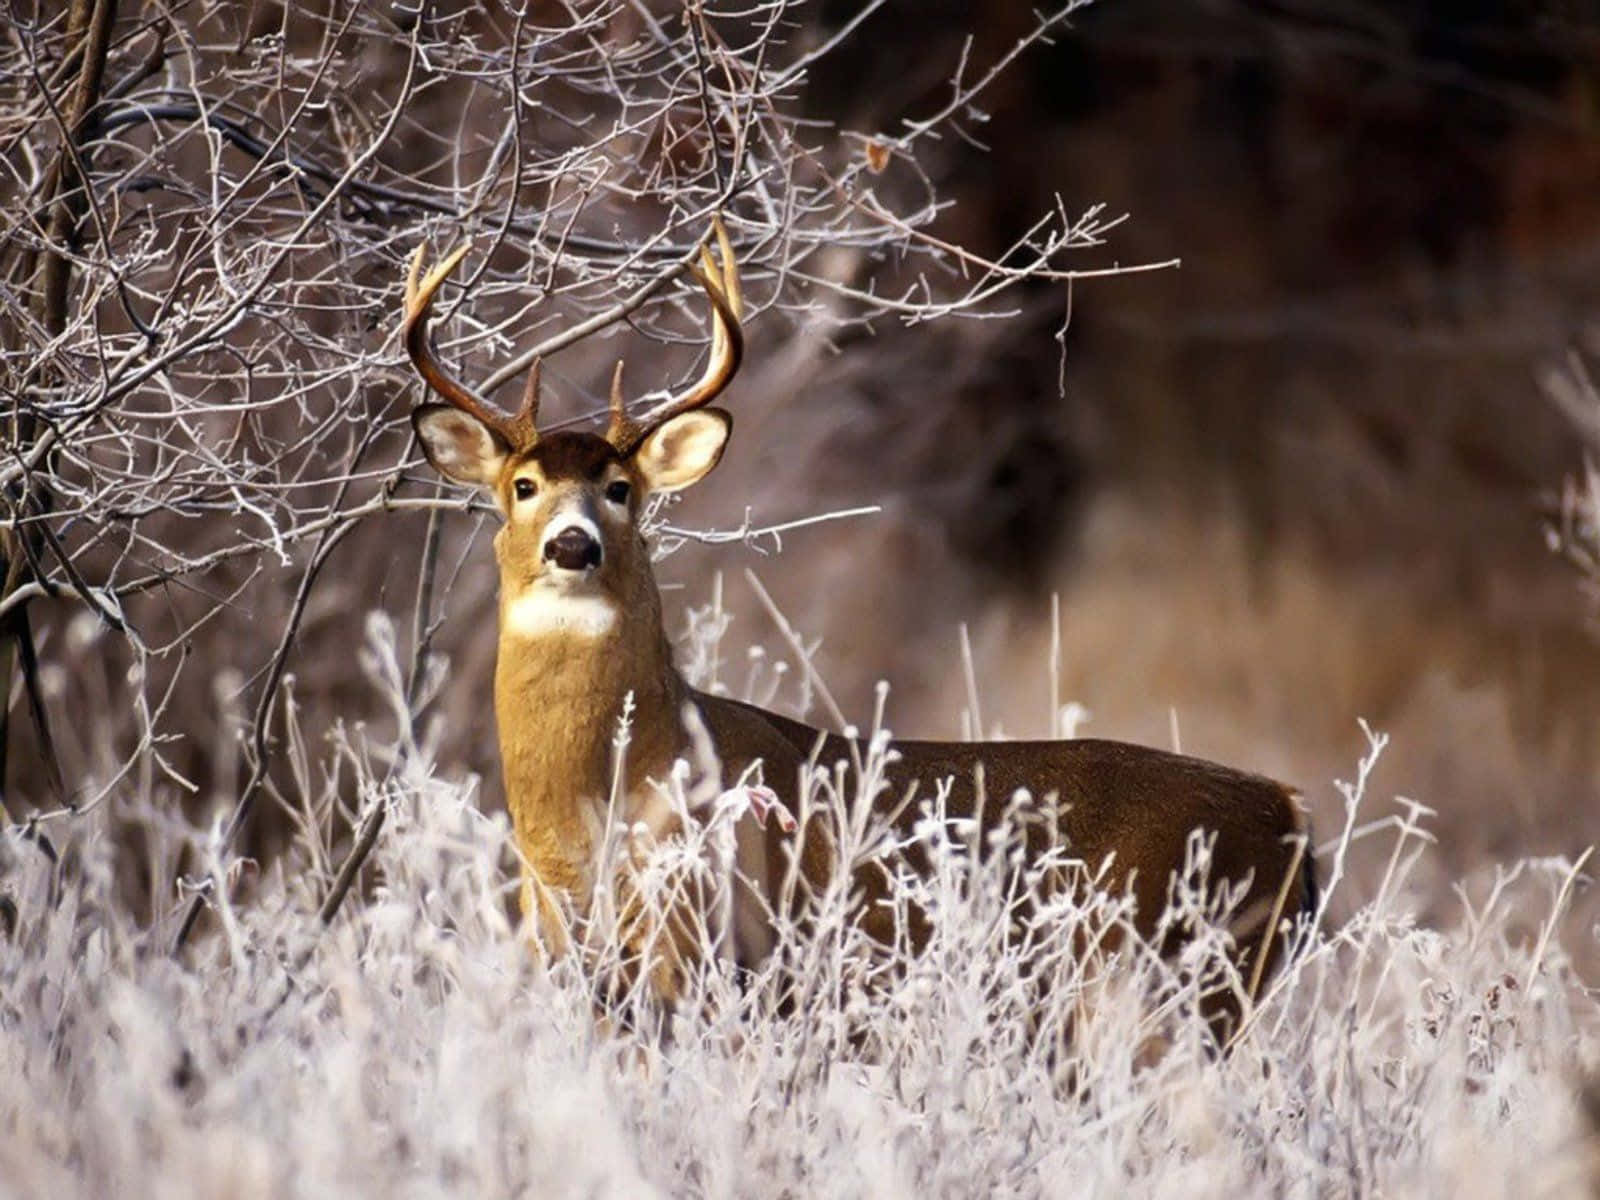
573,549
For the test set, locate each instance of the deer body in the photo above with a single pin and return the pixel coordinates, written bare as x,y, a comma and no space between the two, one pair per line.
1129,808
581,639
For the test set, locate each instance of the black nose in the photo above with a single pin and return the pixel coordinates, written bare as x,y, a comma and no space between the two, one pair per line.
572,550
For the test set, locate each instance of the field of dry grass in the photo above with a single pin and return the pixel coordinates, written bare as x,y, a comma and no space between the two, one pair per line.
412,1046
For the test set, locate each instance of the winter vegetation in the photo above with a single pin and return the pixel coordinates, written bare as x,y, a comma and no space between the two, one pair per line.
412,1046
258,923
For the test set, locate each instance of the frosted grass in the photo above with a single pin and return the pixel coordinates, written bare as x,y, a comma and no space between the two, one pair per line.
414,1047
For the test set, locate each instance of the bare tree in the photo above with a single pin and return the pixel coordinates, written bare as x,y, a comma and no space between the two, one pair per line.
208,212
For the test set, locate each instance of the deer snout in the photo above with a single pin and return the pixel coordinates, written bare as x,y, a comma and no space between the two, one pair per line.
573,549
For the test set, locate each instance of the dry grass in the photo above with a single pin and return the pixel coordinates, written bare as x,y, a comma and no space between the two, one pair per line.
414,1048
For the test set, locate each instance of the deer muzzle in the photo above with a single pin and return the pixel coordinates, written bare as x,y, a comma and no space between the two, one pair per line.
573,549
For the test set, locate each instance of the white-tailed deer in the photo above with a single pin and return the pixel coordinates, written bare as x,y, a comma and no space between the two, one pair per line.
581,630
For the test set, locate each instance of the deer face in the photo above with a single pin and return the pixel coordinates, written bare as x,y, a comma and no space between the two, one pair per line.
571,556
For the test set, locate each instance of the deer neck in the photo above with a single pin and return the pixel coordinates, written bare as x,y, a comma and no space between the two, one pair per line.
559,698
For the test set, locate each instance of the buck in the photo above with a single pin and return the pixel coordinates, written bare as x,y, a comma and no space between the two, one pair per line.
581,636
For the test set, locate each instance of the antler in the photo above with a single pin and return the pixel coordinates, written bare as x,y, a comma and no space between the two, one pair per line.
721,284
518,430
727,350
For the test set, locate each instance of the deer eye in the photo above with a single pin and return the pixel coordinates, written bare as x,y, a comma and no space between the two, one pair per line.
524,489
617,491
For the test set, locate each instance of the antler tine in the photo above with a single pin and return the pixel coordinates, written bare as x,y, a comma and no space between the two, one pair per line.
619,430
727,340
526,422
420,291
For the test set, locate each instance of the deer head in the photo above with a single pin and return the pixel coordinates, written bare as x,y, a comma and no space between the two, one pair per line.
571,556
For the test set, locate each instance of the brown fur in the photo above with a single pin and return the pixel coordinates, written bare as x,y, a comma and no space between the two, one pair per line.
1127,808
559,700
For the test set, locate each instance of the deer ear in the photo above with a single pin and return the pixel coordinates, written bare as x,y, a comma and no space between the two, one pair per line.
460,447
683,450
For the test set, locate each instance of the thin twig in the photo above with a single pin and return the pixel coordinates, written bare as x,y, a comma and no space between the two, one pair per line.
366,838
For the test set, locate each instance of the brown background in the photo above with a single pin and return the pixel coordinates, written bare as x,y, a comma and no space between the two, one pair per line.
1302,479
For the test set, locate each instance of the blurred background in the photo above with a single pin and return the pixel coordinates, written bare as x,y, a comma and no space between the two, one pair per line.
1309,475
1303,478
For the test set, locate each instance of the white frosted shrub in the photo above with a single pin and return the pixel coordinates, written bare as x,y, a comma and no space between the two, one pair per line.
415,1047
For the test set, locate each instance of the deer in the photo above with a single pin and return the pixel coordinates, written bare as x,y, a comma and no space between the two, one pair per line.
582,640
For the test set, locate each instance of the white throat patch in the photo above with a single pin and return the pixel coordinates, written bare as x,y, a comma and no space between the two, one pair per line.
539,612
